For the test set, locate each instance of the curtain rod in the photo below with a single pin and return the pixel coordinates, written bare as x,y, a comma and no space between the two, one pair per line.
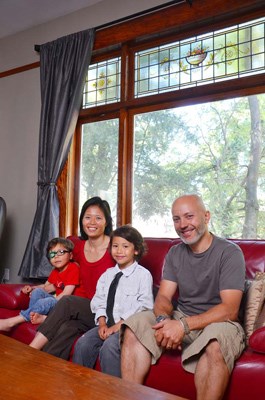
128,18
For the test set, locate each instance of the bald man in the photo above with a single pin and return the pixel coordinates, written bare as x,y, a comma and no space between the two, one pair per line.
209,273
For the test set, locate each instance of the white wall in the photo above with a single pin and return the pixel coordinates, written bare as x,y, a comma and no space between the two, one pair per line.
19,119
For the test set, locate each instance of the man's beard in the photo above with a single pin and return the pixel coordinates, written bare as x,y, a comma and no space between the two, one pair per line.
199,232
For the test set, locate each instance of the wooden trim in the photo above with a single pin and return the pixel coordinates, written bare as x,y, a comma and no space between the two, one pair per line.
129,168
63,199
68,188
76,179
18,70
178,18
209,92
124,73
66,193
123,195
124,172
70,227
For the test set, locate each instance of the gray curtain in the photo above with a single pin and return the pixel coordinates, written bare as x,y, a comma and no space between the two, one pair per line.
63,67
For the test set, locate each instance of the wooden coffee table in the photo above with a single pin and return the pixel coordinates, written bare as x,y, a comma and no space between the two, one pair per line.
26,373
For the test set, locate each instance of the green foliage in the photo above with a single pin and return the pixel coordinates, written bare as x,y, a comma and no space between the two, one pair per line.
202,149
99,163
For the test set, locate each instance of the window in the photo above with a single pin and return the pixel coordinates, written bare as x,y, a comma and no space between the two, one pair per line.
102,84
163,116
216,56
214,149
99,162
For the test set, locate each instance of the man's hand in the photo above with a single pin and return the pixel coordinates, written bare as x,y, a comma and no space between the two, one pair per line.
169,334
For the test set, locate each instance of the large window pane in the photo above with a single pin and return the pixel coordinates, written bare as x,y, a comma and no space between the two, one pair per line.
214,149
99,162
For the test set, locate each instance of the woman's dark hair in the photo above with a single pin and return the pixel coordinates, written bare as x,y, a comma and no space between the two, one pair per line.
68,244
105,208
131,234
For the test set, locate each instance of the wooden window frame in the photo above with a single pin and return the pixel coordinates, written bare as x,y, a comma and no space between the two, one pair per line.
164,26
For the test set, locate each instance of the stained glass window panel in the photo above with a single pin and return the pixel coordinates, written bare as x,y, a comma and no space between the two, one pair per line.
220,55
102,85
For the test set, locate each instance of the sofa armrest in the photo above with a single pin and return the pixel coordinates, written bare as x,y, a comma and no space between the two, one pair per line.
257,340
12,298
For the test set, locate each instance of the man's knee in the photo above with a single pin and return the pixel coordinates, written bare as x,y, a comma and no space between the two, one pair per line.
213,351
128,336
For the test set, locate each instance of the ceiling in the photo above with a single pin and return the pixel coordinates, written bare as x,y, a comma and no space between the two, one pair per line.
19,15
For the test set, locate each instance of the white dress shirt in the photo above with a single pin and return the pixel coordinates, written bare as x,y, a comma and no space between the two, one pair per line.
134,292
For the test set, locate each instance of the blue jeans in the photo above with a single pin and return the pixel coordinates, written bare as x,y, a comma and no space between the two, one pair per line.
40,302
89,346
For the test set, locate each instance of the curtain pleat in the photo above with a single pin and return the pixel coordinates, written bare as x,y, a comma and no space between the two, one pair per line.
63,67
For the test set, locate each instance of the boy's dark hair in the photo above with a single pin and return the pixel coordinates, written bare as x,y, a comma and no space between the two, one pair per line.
133,236
68,244
105,208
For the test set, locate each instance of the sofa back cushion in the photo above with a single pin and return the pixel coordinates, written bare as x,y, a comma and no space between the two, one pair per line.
153,260
254,253
157,248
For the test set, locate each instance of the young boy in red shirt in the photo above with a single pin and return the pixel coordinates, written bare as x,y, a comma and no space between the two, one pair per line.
63,280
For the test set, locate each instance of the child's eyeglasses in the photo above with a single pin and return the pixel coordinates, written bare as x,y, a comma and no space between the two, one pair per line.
52,254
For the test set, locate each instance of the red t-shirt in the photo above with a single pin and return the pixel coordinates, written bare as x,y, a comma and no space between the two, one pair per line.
70,276
90,271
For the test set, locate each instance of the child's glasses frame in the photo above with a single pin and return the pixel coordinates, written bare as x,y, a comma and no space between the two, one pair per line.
60,253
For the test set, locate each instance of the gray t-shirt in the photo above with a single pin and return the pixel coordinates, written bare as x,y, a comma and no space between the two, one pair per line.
201,277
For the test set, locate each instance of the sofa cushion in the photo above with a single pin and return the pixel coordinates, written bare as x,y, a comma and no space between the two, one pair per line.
12,298
257,341
255,296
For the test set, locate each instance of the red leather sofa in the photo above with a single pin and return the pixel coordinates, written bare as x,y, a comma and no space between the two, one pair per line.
247,380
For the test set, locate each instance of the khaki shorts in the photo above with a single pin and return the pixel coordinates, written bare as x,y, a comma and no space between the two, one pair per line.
230,336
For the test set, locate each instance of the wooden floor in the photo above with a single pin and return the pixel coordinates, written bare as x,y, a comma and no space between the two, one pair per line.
29,374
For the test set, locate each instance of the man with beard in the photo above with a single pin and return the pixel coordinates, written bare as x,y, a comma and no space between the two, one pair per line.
209,273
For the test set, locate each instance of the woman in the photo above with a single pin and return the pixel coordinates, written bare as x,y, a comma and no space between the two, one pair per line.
72,315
